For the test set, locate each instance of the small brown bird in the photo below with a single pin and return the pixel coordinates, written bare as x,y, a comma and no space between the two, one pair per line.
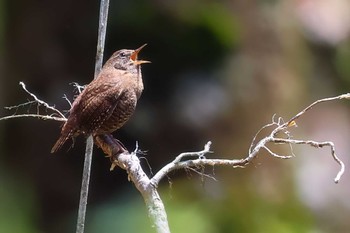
108,101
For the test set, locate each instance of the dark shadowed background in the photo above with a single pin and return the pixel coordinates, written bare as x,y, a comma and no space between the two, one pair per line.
219,71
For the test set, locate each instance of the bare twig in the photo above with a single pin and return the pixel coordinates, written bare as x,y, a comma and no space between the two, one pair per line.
261,129
41,117
56,115
16,107
339,97
175,164
317,145
276,155
40,102
66,98
79,87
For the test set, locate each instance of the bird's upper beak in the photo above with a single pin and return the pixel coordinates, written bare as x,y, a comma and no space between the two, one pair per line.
134,56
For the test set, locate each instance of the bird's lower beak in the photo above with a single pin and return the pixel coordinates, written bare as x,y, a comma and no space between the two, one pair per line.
139,62
134,56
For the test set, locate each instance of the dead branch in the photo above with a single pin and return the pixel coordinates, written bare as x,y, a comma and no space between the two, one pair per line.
188,160
40,102
131,163
55,115
185,160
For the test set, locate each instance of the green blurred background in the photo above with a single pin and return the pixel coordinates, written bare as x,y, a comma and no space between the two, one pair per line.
220,70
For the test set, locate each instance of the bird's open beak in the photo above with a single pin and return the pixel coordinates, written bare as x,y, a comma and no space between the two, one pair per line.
134,56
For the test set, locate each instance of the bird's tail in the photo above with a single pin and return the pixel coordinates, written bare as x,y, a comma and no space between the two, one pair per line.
63,138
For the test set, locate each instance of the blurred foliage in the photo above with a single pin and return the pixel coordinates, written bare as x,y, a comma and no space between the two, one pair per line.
190,210
342,64
220,70
18,204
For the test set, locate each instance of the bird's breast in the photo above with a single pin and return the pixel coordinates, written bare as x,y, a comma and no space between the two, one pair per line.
124,108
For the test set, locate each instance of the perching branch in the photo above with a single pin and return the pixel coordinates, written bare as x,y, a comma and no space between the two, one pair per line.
130,162
147,186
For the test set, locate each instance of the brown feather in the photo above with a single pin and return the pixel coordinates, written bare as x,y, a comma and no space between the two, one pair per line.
107,102
63,138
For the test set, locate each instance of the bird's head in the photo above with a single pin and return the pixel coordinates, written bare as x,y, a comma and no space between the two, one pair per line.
126,59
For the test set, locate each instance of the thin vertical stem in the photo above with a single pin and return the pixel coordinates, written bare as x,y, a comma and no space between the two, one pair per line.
90,143
101,35
85,185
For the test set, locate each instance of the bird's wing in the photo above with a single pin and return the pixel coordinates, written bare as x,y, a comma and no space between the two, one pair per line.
96,104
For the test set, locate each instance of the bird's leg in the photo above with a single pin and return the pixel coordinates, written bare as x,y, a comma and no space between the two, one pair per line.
110,146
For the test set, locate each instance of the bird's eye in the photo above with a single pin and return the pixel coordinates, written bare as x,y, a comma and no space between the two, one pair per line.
122,55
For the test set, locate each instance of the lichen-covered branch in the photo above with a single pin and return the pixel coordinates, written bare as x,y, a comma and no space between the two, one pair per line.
278,127
131,163
147,186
